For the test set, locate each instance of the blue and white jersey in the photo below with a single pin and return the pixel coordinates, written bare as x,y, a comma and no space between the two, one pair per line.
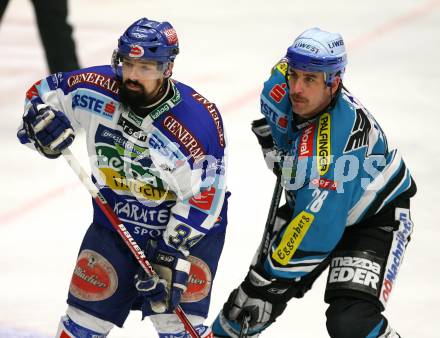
163,174
337,169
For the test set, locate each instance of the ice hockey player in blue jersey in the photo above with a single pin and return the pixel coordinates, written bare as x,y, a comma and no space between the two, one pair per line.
157,149
347,195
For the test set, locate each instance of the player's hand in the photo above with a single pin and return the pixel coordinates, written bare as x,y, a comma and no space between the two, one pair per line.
49,130
272,156
263,133
163,293
252,307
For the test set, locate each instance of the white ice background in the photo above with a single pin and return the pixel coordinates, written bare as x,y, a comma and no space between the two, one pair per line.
227,50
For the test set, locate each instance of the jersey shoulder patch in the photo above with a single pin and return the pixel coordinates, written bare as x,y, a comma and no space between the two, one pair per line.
202,117
281,67
100,78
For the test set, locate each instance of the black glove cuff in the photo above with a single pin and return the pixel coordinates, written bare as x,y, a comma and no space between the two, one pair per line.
258,285
263,133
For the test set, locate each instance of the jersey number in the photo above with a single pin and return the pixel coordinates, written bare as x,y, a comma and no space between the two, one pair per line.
319,197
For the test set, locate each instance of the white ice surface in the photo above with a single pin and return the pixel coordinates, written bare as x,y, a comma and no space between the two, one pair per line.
227,50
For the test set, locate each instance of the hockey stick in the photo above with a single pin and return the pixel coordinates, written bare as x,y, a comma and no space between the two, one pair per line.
265,241
122,231
271,216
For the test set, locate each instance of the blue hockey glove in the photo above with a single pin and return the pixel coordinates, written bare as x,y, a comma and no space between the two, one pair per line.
49,130
251,308
163,293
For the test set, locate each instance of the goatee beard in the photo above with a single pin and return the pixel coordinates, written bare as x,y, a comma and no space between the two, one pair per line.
133,99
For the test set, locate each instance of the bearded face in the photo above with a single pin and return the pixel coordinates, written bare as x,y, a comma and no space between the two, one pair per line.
141,82
133,94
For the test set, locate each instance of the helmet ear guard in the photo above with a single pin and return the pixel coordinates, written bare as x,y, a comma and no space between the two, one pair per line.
115,61
168,71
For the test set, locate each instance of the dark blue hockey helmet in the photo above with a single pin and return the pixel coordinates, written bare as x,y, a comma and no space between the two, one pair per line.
147,40
316,50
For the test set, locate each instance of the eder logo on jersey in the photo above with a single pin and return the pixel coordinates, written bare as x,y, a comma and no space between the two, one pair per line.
292,238
323,145
356,270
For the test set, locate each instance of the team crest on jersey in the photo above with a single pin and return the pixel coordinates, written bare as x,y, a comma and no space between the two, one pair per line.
199,281
359,136
94,277
136,51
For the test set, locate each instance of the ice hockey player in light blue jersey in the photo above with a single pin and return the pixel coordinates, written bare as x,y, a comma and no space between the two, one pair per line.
347,200
158,151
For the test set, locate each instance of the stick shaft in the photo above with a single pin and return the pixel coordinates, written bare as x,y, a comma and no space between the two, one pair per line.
271,216
265,243
121,230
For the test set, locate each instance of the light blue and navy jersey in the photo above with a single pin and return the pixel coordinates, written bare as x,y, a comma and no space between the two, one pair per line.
164,174
337,169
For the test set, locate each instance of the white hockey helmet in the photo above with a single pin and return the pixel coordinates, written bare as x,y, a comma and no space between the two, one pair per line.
316,50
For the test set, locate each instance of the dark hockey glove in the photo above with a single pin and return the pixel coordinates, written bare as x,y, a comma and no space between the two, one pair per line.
264,136
252,307
49,130
163,293
263,133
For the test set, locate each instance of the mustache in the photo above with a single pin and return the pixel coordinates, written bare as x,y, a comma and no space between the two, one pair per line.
296,97
133,82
